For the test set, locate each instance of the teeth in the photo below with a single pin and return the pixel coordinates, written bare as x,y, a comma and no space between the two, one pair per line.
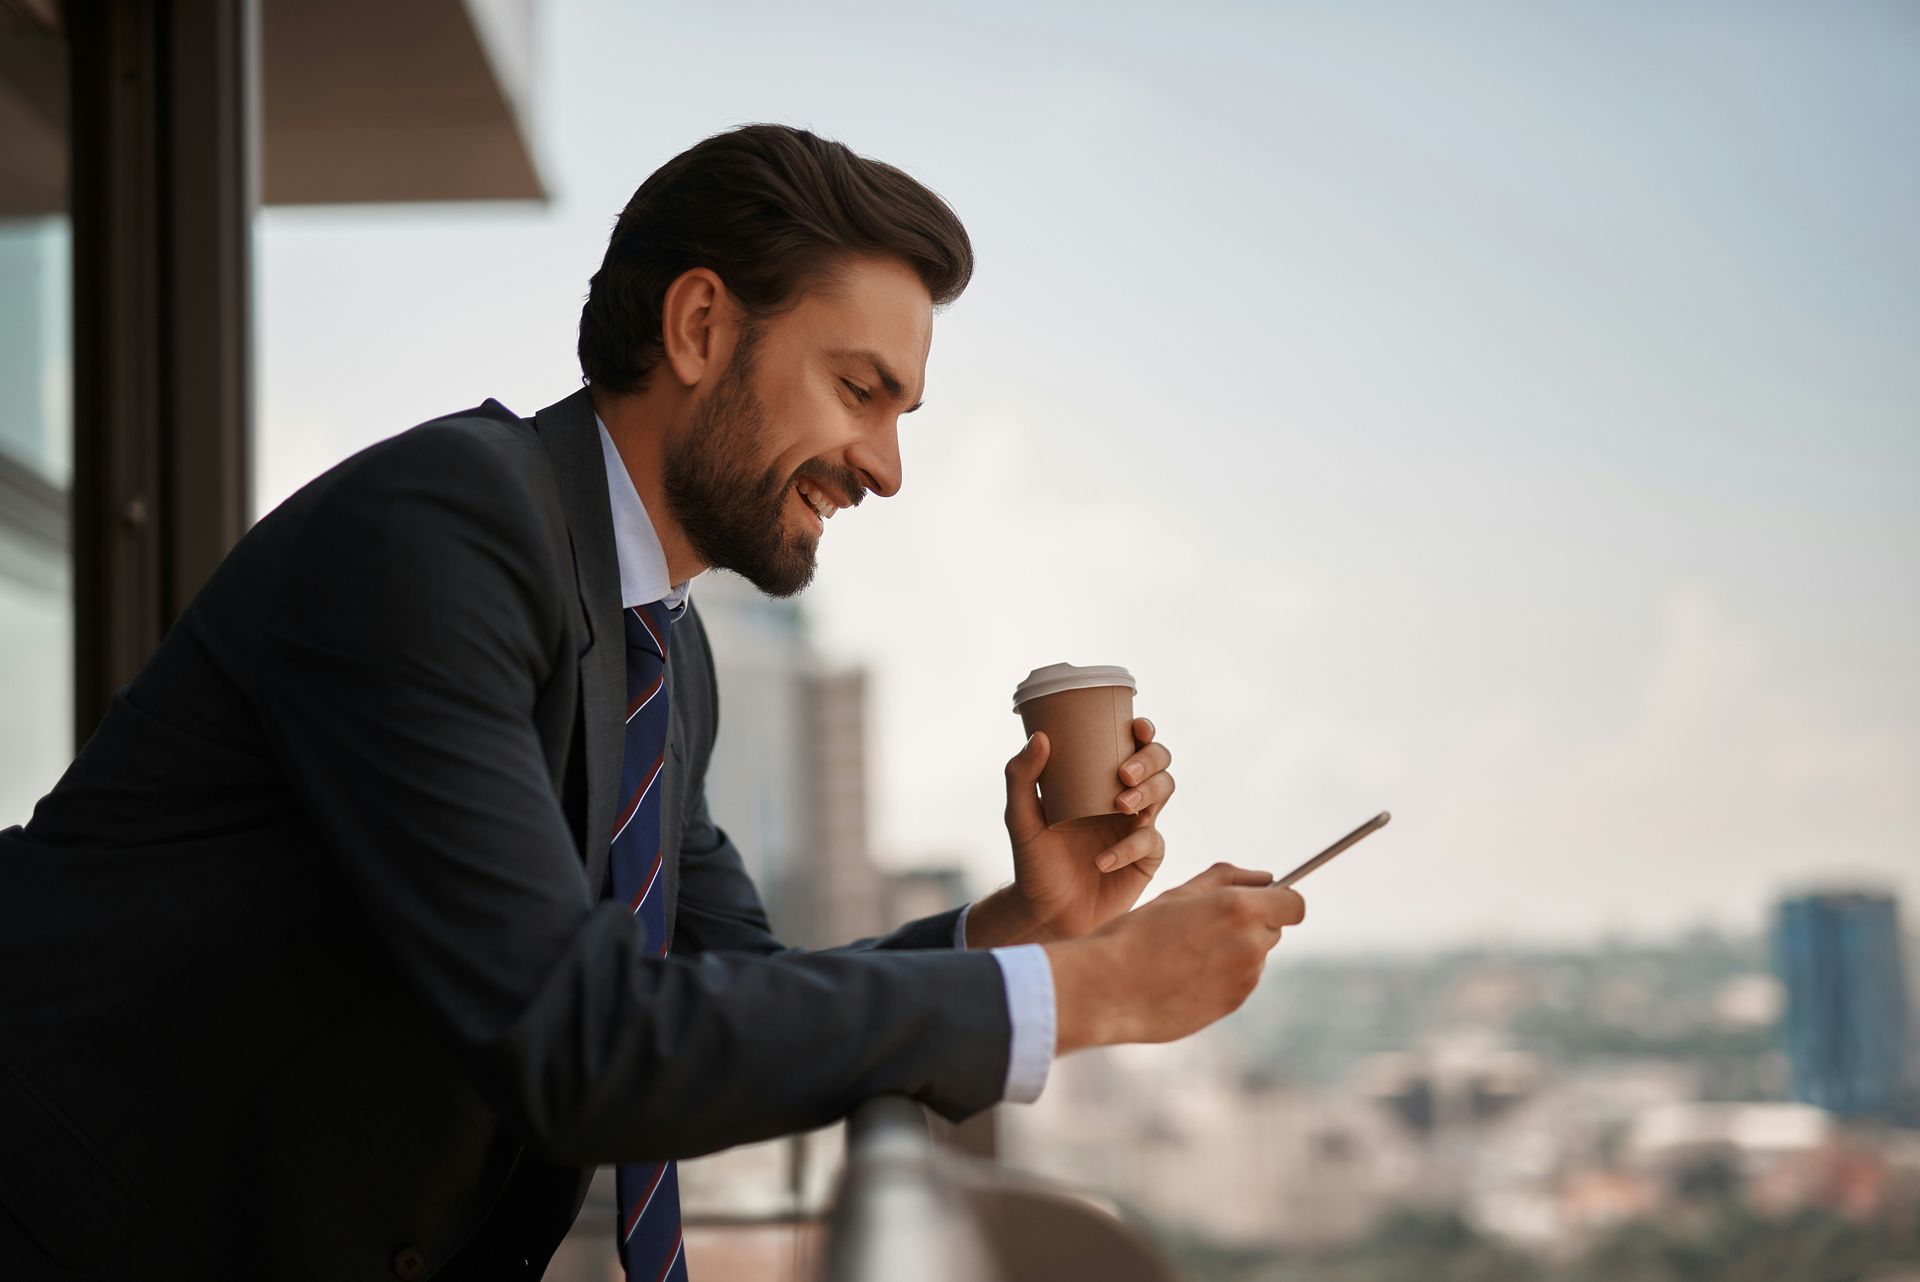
819,502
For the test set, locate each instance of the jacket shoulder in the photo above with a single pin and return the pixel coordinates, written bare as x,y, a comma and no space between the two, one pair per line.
482,461
487,433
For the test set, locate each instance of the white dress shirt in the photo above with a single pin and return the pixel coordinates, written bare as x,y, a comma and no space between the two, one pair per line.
1024,968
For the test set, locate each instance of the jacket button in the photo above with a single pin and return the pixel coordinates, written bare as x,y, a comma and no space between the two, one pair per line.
409,1262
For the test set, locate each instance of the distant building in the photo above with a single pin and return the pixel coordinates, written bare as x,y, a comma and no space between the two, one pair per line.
788,780
844,896
757,780
912,893
1213,1150
1458,1083
1847,1022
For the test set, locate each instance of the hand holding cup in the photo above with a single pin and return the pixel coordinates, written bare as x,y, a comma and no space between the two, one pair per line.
1083,798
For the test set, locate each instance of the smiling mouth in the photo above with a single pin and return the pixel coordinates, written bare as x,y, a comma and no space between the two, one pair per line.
816,502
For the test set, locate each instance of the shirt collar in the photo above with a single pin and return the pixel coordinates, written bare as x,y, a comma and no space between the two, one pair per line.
643,563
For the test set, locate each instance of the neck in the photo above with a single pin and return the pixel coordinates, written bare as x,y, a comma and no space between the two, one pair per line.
637,422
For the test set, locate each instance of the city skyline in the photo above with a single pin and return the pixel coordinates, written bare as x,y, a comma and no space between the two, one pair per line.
1502,421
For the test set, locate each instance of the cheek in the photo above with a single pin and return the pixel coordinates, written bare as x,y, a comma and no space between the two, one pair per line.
806,430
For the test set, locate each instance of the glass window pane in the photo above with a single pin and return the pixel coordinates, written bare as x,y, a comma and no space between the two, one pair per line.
36,416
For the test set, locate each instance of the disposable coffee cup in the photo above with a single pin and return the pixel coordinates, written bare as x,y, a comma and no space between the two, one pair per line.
1087,716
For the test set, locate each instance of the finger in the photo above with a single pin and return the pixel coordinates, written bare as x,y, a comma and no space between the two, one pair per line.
1225,874
1025,819
1283,907
1136,846
1153,792
1143,731
1149,761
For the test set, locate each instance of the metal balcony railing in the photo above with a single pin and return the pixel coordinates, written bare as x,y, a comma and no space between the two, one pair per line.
911,1209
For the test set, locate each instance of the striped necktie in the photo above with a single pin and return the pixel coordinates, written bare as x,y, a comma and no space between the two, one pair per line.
648,1192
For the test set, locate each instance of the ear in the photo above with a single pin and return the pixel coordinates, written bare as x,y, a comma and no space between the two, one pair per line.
697,324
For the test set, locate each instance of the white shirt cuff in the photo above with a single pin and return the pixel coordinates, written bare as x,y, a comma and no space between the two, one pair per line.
1028,977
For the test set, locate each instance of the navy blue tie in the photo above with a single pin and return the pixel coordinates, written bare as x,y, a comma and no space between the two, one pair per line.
651,1249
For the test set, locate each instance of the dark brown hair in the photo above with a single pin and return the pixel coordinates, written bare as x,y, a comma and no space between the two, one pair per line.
772,210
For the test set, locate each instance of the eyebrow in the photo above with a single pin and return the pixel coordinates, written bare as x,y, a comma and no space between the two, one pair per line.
888,380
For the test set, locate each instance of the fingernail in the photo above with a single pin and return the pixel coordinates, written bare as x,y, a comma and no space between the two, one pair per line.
1130,800
1132,772
1106,862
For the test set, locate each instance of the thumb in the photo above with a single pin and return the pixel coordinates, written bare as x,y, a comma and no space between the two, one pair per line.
1025,819
1222,875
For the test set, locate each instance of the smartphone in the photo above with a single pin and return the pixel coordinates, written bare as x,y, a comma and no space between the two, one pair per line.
1368,828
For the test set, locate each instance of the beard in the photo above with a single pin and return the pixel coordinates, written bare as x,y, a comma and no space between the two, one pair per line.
731,507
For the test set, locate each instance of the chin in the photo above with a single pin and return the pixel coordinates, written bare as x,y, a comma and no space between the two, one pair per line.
783,576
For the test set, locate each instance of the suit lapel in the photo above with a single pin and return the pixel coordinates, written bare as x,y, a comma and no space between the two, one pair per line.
572,442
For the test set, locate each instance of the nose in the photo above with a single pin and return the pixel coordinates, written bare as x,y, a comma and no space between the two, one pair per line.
876,458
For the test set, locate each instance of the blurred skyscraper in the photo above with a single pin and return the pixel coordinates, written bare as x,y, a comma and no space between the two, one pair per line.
1847,1021
788,777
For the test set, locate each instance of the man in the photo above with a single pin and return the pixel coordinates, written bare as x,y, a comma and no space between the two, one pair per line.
385,902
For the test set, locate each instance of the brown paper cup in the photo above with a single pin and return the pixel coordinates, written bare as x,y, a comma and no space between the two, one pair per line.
1089,734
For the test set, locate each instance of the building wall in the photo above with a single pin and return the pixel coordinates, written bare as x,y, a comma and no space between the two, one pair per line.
757,784
1847,1023
843,890
789,776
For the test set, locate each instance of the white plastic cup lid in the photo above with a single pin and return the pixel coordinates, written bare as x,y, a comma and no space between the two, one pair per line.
1056,677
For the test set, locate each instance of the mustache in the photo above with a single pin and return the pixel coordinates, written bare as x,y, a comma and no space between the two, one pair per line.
833,479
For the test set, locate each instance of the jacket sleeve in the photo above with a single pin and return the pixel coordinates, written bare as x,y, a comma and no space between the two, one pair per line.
419,615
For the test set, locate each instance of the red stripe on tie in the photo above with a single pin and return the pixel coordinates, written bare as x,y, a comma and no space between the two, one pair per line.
652,774
671,1257
640,895
639,1207
626,816
646,698
659,642
640,794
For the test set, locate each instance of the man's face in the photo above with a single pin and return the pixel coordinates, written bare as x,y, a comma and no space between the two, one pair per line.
804,417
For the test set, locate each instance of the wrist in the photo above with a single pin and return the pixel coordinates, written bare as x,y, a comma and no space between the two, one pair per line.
1004,918
1085,1013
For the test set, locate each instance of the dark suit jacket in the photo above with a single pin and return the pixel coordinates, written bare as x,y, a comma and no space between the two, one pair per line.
305,965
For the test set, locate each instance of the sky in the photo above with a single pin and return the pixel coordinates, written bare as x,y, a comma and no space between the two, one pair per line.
1502,414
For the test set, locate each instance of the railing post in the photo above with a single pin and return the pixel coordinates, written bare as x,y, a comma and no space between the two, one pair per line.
896,1216
909,1209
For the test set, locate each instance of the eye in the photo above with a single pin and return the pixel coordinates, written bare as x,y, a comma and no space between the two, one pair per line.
860,393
